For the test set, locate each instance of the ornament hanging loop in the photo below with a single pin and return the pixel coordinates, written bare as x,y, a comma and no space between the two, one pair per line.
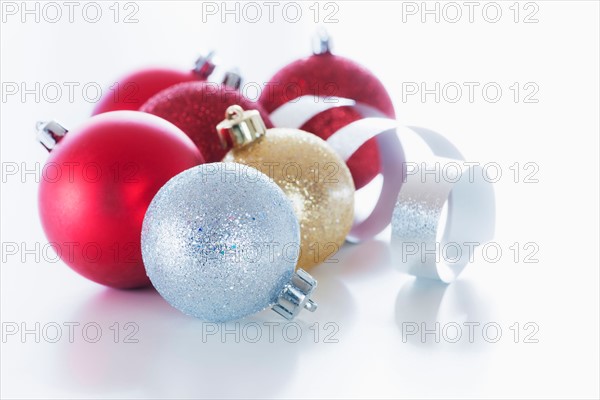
234,113
295,296
49,133
240,127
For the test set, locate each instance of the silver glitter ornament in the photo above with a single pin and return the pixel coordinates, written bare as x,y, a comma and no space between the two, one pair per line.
220,242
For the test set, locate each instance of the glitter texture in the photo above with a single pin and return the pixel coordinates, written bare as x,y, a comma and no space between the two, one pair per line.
220,241
331,75
314,178
196,108
415,222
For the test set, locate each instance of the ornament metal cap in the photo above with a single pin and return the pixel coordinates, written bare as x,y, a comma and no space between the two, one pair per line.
205,65
232,79
240,127
295,295
321,42
49,133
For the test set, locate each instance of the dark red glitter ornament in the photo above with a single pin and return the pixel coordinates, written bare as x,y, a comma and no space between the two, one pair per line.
197,108
325,74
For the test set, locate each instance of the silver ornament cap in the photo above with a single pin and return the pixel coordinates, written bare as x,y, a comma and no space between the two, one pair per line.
205,65
321,42
295,296
49,133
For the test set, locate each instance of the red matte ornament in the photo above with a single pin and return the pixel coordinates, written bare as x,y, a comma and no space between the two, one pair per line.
97,184
130,92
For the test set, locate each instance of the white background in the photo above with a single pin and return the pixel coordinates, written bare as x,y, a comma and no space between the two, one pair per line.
362,293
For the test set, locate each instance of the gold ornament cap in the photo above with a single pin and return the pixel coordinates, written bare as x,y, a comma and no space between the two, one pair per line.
240,127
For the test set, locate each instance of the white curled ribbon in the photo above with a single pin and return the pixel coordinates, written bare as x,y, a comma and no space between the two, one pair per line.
412,200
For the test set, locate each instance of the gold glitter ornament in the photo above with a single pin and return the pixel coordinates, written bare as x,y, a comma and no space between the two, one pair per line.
311,174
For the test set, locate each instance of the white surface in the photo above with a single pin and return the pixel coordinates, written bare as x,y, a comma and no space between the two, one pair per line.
362,293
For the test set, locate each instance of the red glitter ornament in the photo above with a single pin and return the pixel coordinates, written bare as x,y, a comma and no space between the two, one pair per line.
134,90
97,184
325,74
197,108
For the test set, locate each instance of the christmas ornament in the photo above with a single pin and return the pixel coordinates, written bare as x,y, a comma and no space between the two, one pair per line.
220,242
310,173
415,198
196,108
324,76
134,90
97,185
